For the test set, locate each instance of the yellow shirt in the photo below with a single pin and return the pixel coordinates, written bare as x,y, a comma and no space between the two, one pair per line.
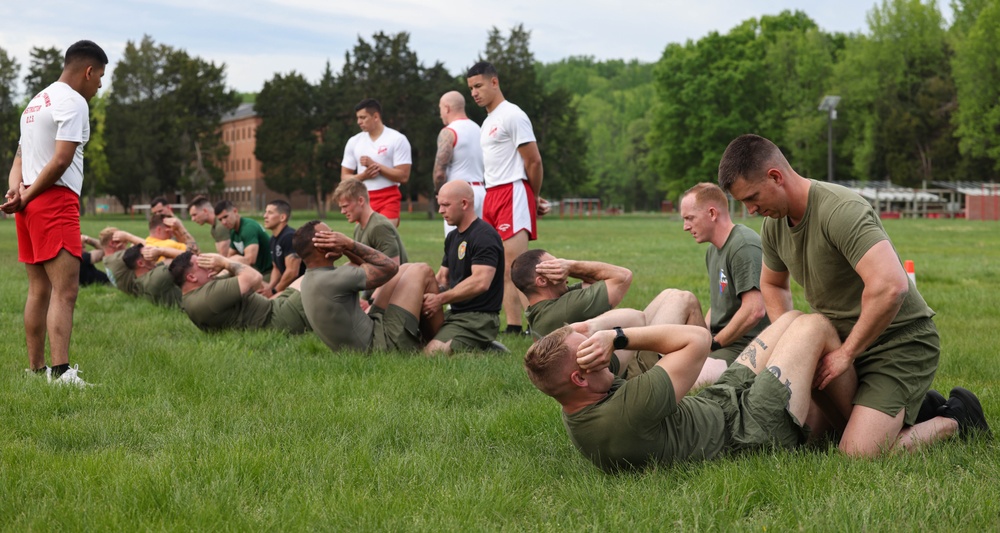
165,243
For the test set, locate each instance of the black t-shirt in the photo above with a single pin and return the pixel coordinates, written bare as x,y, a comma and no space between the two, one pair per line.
281,247
480,244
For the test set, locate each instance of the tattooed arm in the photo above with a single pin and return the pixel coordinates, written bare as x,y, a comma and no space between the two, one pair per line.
377,266
445,152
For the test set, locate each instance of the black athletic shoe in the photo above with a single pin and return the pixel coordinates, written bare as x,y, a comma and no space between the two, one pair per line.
963,407
497,346
928,410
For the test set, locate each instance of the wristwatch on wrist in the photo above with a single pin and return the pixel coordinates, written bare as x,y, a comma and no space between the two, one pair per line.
715,345
621,341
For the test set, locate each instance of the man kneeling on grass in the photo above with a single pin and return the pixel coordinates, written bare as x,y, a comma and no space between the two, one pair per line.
330,294
233,303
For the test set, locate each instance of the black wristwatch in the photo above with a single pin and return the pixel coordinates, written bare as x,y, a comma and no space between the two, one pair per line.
715,345
621,341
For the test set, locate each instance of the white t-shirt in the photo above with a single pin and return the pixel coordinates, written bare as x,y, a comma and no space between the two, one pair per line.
57,113
467,157
506,128
391,149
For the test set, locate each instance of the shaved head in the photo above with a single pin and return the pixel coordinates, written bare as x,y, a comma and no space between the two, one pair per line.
454,100
458,189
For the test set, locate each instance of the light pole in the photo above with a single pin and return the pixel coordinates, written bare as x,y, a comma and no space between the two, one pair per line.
829,104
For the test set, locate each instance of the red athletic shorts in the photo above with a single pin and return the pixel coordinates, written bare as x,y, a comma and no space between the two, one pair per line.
386,201
510,208
49,223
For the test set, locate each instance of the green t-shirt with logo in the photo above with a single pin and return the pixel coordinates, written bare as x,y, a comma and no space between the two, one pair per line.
249,233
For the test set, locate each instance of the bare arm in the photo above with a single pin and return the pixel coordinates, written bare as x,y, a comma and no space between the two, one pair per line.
684,350
223,247
249,256
746,318
248,278
12,200
445,153
378,268
52,171
777,293
399,174
470,287
532,166
124,236
885,289
292,264
618,279
181,234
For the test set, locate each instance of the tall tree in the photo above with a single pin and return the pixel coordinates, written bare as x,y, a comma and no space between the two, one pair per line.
10,112
45,67
977,79
287,136
97,170
899,95
162,122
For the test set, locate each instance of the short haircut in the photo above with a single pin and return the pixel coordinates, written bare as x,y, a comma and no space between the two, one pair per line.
159,200
282,207
746,157
224,205
179,267
370,105
483,68
132,256
85,51
522,270
107,235
546,360
708,194
302,240
350,188
200,202
156,220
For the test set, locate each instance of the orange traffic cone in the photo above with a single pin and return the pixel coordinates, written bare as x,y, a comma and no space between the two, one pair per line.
908,267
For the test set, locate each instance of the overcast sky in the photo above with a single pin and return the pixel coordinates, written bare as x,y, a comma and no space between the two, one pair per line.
258,38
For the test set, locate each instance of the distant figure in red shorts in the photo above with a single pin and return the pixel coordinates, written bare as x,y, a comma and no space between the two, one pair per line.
379,157
512,169
44,191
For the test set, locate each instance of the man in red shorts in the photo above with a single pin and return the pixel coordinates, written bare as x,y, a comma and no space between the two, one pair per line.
513,173
44,191
380,158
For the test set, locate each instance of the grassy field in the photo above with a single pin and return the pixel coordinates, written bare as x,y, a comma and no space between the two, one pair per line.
258,431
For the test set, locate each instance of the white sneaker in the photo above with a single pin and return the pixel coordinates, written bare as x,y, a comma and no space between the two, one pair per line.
70,377
31,373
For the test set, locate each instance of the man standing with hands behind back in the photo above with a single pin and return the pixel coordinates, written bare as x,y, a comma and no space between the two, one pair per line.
44,191
379,157
512,169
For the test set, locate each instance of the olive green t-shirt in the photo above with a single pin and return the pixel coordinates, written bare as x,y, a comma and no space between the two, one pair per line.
120,275
219,305
330,299
640,422
381,235
821,251
577,305
733,270
220,233
158,287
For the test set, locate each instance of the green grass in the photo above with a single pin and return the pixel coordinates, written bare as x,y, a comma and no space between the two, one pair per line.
257,431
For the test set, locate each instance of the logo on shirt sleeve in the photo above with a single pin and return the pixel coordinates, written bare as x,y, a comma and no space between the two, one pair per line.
461,250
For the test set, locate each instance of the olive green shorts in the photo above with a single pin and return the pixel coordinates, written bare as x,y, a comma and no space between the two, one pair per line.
643,361
756,410
394,329
287,313
469,331
896,373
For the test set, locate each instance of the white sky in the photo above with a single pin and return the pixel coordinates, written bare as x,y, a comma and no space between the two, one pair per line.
258,38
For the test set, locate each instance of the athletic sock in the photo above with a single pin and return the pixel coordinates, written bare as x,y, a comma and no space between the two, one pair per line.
59,370
42,371
513,329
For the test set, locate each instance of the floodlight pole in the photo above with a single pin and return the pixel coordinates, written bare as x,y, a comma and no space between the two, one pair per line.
829,104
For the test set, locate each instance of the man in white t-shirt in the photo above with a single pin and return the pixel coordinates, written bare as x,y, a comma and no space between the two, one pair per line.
459,155
44,191
379,157
512,169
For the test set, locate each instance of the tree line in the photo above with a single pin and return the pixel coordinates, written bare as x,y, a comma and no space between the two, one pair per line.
919,103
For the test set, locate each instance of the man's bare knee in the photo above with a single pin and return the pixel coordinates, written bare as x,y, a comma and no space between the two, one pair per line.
436,346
